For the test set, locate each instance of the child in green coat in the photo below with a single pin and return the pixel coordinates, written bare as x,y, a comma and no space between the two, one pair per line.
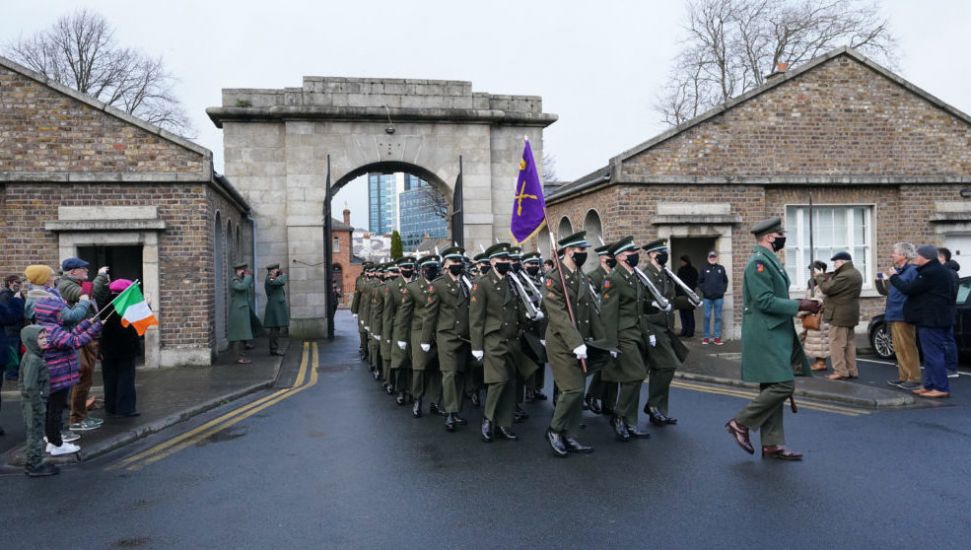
34,389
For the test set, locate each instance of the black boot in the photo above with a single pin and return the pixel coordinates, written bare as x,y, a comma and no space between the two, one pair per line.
658,418
41,470
636,433
555,440
476,400
459,420
416,410
592,404
486,430
450,423
574,446
389,389
519,415
401,399
620,428
538,395
434,409
376,374
506,433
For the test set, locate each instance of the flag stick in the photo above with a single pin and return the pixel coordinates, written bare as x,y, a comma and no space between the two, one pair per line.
559,271
136,282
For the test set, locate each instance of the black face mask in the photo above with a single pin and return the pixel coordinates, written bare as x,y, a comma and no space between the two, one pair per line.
611,262
431,272
483,269
579,258
533,270
661,258
407,273
456,269
779,243
517,267
633,259
503,267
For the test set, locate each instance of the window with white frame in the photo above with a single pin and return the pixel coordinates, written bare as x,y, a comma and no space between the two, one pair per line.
834,229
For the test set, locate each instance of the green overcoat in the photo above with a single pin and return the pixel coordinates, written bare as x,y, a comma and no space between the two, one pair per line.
277,312
400,358
446,323
496,321
562,335
243,323
771,352
662,356
624,301
409,325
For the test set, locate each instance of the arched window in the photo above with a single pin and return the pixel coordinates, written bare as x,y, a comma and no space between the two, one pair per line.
543,242
565,228
591,224
220,271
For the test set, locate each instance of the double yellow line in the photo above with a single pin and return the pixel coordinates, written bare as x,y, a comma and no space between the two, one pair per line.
748,394
167,448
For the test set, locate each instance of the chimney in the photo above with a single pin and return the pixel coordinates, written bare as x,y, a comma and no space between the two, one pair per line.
347,215
780,69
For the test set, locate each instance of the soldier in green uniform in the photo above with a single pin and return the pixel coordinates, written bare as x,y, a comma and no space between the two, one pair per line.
524,363
566,341
359,285
277,314
624,301
375,319
447,326
400,356
496,319
771,352
662,360
363,312
426,379
474,380
388,296
601,397
533,269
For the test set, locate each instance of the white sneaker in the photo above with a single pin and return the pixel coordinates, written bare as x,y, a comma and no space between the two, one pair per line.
953,374
64,449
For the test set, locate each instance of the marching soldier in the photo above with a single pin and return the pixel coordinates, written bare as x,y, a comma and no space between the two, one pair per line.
356,303
533,266
601,397
662,359
566,342
425,377
624,300
474,380
447,326
387,316
363,311
525,363
374,320
495,323
771,352
400,355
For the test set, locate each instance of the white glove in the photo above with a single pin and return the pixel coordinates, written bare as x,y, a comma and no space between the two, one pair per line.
543,342
355,315
103,270
367,328
478,354
652,340
426,347
580,351
613,354
377,337
402,345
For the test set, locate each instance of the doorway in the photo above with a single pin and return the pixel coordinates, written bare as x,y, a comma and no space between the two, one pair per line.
696,249
125,261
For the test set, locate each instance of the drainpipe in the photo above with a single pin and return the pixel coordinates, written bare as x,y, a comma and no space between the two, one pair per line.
252,228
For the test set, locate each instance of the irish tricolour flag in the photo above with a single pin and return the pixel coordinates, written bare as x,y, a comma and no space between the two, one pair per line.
131,307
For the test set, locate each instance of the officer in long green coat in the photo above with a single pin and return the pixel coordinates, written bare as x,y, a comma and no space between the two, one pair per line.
426,378
533,269
375,319
771,352
624,301
662,360
388,302
496,320
277,313
447,326
400,381
474,381
241,316
566,341
359,285
601,397
363,311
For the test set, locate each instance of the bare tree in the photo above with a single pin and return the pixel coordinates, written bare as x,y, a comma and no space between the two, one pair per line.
732,45
79,51
436,200
549,168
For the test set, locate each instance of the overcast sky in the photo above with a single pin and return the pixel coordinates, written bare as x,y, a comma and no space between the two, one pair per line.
598,65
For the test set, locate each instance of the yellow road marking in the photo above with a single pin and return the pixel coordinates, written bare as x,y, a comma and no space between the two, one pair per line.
748,394
180,442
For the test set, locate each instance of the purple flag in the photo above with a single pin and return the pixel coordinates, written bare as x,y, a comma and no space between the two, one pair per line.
529,206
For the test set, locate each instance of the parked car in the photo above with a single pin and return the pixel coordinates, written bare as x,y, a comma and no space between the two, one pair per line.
879,333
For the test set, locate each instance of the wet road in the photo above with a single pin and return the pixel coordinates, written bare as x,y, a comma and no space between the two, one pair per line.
336,464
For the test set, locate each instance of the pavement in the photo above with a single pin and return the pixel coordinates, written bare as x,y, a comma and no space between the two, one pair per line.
165,397
335,463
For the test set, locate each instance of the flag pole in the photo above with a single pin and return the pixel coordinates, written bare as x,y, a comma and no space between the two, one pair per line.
135,282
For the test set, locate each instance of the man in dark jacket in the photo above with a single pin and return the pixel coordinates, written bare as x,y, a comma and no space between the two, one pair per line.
11,314
932,310
841,309
713,283
689,276
10,331
954,268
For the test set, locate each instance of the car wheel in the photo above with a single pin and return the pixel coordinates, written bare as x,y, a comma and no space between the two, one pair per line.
881,342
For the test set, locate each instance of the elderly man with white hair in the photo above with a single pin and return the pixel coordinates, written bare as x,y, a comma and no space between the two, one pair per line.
902,334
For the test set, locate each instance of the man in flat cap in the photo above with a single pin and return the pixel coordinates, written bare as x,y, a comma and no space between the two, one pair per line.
277,313
771,352
662,358
496,320
841,309
72,288
566,341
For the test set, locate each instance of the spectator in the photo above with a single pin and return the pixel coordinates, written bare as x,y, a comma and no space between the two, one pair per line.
954,268
61,356
34,388
713,282
689,276
71,287
547,266
816,342
841,309
11,315
902,334
119,347
930,306
12,286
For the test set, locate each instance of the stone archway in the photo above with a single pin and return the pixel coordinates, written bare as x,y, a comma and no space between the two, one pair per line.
278,142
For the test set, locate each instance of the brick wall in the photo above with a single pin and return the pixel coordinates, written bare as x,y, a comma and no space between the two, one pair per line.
350,271
230,220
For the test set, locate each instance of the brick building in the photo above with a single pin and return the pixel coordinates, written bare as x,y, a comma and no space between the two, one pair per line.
882,160
347,267
78,177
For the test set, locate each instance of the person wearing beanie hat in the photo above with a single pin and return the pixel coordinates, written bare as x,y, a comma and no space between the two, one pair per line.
930,305
841,311
119,349
39,275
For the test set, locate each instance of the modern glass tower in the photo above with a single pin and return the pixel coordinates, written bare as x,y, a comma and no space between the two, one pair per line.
382,211
423,211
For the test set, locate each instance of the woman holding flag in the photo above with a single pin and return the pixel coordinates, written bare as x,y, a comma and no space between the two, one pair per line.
119,347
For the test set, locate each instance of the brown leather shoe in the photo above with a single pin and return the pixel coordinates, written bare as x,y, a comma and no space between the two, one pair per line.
819,365
835,376
936,394
920,391
740,433
779,452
